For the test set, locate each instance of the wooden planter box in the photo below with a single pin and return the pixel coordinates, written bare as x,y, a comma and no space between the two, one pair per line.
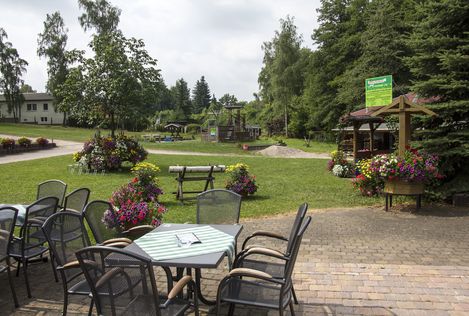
400,187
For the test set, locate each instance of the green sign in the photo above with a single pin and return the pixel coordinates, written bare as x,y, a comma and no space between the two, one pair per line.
378,91
213,131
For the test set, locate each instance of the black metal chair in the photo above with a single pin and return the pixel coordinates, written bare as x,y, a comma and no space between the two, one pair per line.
123,283
7,226
77,200
93,213
256,288
218,207
66,234
273,267
30,243
55,188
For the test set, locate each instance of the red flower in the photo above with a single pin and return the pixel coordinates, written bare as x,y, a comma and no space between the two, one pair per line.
135,180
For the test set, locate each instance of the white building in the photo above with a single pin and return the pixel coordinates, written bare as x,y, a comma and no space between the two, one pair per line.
36,108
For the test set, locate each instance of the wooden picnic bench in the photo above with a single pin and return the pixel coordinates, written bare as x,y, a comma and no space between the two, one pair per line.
184,174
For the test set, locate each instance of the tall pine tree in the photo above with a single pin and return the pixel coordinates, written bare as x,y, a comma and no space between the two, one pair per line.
181,97
201,95
440,65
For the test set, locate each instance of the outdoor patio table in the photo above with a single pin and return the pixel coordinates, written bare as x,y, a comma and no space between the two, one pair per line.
198,261
21,212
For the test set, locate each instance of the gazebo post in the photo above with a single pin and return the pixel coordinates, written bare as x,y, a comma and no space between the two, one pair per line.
372,136
356,126
404,127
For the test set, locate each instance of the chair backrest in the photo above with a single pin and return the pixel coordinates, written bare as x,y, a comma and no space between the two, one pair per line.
7,226
218,207
55,188
113,274
300,216
77,200
66,234
290,264
40,211
93,213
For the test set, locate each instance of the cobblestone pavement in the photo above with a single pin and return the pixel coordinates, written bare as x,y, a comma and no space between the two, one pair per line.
352,262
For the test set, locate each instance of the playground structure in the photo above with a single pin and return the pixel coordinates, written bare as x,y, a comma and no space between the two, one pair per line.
235,130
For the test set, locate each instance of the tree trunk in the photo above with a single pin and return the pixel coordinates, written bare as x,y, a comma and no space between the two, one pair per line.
286,121
65,119
113,125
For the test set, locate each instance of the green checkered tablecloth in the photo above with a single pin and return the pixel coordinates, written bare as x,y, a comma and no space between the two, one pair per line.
164,245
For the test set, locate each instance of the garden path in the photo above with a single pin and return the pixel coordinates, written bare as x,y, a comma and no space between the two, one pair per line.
68,147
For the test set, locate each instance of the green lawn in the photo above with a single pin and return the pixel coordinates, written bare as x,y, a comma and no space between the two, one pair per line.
283,183
83,134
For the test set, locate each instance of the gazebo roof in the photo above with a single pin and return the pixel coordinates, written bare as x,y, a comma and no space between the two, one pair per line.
366,115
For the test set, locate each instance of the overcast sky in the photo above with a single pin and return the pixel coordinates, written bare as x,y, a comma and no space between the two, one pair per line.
219,39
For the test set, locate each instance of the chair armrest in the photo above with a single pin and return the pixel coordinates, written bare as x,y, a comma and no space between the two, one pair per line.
36,221
119,244
179,286
138,231
251,273
70,265
113,240
258,251
106,277
267,252
263,233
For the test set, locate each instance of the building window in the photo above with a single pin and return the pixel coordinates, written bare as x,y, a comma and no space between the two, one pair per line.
46,107
31,107
44,119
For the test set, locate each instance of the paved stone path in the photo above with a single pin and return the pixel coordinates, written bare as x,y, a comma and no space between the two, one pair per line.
352,262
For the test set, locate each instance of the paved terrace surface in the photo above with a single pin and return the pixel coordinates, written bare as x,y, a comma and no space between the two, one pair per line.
352,262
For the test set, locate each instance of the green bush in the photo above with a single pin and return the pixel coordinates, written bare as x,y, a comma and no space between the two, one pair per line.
24,142
193,128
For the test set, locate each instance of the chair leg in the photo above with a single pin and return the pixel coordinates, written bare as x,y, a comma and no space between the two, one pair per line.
18,268
292,311
13,292
25,272
52,262
64,313
231,309
294,295
90,311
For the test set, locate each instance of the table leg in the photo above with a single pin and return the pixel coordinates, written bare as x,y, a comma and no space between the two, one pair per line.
199,290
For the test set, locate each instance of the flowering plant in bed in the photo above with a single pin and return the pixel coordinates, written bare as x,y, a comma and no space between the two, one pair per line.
107,153
412,167
339,166
240,180
136,203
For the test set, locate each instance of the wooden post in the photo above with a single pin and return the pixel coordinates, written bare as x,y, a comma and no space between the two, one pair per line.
404,126
356,126
372,135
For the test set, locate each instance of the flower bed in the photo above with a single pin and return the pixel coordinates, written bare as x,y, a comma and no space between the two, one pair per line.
136,203
107,153
10,147
413,167
339,166
240,180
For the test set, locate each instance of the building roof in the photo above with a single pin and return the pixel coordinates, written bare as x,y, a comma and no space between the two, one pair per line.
382,127
364,115
33,96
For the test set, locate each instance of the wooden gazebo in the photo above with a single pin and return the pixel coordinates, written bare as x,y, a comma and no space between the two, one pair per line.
404,106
